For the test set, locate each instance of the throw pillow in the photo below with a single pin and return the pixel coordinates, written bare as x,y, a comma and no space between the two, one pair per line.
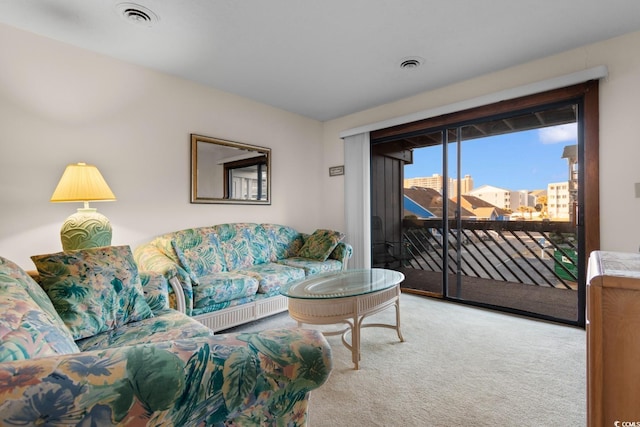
182,261
320,244
94,290
171,249
200,250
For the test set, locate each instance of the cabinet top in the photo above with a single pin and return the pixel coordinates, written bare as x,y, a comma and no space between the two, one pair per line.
614,264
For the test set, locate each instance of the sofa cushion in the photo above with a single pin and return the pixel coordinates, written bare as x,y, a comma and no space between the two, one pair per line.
272,276
29,325
168,325
93,290
225,286
320,244
243,245
312,267
201,250
284,241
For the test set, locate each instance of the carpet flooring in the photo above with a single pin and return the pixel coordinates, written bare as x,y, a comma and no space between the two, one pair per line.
459,366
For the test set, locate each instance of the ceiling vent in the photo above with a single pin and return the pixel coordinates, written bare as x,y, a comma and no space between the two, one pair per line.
137,14
411,62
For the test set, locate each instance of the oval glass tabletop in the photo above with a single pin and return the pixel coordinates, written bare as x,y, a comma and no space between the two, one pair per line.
343,284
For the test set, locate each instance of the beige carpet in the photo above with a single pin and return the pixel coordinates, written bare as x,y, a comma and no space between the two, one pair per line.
458,366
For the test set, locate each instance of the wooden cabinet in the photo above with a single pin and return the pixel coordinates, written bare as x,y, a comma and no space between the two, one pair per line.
613,339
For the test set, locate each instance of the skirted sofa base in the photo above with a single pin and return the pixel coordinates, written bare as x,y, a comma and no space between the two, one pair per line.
240,312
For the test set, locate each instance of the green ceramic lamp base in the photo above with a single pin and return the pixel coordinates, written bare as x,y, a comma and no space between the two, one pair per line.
85,229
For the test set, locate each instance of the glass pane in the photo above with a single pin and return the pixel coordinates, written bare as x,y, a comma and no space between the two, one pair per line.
511,197
249,182
424,185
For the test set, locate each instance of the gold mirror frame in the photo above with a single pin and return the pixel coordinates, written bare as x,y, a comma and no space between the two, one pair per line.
229,172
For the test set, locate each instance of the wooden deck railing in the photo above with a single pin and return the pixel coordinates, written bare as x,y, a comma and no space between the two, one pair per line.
542,253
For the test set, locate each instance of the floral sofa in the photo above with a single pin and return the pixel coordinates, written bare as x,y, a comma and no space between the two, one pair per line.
227,274
95,344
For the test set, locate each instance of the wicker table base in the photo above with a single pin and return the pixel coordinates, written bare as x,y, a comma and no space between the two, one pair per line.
348,310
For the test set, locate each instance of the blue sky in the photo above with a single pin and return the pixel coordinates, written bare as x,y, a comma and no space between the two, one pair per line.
526,160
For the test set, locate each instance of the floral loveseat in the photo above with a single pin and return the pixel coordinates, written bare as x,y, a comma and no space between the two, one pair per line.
228,274
96,345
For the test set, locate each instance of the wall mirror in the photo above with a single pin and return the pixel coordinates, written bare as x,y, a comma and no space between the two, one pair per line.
229,172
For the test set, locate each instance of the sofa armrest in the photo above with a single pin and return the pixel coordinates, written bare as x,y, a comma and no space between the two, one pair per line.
178,292
261,378
150,258
342,253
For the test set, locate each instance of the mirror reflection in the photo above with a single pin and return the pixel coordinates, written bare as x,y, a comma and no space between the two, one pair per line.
229,172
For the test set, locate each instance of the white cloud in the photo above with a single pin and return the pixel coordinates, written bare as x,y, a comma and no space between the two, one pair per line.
561,133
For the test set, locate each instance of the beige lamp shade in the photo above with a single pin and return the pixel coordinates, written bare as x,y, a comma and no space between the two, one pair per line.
81,182
86,228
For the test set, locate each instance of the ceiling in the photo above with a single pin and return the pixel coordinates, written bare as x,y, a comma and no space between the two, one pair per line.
325,59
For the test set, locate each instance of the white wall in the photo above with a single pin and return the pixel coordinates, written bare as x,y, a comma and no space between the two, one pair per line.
619,139
60,105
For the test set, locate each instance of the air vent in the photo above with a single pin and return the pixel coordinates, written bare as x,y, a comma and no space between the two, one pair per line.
137,14
411,62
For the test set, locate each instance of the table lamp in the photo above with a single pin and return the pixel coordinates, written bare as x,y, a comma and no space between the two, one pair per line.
86,228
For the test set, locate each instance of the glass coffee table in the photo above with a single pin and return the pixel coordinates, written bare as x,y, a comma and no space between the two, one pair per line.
347,297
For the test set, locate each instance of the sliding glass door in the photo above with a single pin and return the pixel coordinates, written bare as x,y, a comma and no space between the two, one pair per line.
518,215
490,211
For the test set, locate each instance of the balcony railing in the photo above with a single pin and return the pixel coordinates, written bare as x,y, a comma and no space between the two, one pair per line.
542,253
